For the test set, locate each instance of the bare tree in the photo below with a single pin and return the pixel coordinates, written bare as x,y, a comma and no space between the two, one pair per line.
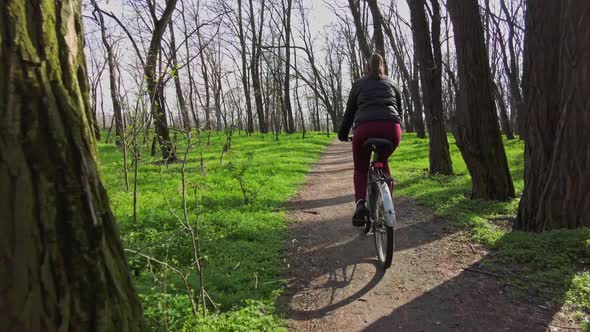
378,38
477,131
255,64
430,66
399,46
287,6
176,78
113,80
360,31
245,80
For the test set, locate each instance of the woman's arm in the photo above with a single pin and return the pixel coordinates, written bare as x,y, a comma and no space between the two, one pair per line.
399,103
348,118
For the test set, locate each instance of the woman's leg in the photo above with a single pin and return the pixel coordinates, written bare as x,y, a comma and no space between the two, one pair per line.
375,129
392,132
361,158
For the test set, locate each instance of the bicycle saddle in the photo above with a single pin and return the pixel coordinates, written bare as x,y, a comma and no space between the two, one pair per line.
378,142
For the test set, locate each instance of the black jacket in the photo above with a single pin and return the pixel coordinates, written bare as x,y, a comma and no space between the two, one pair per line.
371,99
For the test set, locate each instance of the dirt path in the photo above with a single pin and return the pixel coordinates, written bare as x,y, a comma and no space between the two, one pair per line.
435,283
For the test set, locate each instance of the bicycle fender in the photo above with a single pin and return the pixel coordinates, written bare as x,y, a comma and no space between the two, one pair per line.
387,205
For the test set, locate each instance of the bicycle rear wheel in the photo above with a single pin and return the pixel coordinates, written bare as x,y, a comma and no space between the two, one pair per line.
384,240
372,192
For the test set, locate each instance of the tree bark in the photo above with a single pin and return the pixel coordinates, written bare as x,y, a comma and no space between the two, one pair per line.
556,159
412,123
513,73
290,128
431,79
63,265
205,72
417,120
378,31
186,122
255,65
409,126
154,82
117,113
245,80
477,132
191,81
504,120
360,32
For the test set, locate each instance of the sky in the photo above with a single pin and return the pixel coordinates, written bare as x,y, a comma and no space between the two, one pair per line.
322,15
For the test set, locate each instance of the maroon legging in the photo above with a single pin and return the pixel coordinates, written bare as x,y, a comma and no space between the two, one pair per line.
374,129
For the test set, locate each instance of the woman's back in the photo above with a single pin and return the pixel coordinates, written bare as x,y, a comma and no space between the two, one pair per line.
376,99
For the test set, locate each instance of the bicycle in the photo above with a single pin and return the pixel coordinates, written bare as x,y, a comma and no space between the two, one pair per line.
381,219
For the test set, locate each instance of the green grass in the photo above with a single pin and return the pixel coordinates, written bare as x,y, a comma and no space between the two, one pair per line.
241,241
553,264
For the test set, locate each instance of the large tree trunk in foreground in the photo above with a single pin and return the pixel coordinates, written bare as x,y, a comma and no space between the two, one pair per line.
557,157
478,133
63,266
431,78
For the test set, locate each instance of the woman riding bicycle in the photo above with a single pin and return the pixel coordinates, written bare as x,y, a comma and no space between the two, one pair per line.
374,106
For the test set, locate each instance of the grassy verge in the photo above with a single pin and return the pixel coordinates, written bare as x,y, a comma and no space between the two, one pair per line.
237,210
553,265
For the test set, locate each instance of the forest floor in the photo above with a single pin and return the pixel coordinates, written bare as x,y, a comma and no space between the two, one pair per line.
441,279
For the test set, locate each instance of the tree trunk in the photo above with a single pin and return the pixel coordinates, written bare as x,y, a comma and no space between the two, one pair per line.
186,122
378,31
254,66
409,120
317,106
191,81
63,265
153,84
514,74
205,73
360,31
431,79
119,127
245,81
417,120
477,132
409,126
290,128
355,71
556,159
504,120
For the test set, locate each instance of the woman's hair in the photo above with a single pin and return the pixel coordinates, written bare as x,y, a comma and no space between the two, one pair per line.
376,66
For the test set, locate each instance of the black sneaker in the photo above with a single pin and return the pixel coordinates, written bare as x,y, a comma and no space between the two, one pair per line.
360,214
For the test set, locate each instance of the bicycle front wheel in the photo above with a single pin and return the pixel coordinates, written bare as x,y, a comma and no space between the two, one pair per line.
384,240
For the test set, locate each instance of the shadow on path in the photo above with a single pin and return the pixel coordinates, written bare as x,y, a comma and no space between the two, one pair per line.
438,281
